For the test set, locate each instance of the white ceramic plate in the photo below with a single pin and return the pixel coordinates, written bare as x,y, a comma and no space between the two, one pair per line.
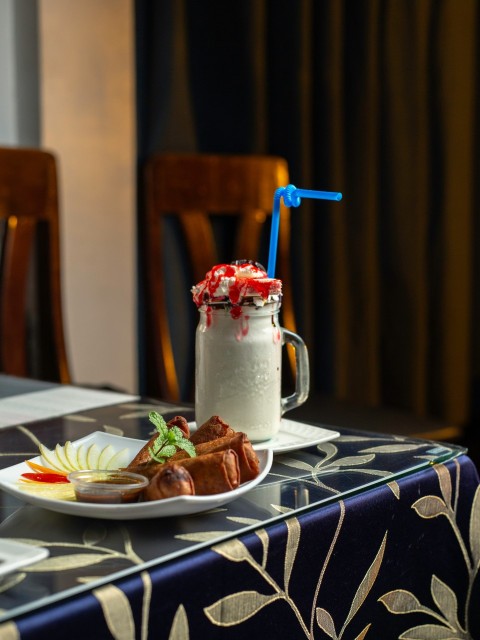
297,435
181,505
292,435
15,555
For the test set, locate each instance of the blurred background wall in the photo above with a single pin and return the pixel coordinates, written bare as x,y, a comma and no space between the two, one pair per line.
88,119
374,98
19,74
68,85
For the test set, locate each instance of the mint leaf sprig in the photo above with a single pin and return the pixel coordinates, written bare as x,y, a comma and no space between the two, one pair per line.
168,440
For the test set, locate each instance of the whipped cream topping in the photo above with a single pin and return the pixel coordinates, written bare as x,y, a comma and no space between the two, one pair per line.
237,284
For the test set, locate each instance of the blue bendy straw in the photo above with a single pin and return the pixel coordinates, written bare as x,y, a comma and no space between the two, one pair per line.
292,198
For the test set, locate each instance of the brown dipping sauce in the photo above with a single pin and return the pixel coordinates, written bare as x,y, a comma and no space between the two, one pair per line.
103,490
108,497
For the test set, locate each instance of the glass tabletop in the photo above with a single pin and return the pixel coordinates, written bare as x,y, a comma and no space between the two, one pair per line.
87,552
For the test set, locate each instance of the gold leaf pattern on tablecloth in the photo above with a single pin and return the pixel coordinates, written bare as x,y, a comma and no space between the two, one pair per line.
179,629
11,581
366,584
114,431
88,553
324,618
233,550
281,509
429,632
395,488
353,461
76,417
393,448
29,435
117,611
474,530
9,631
147,602
363,633
264,539
142,410
329,463
399,601
238,607
288,461
445,482
245,521
430,507
446,601
235,608
199,536
11,454
67,562
325,622
293,542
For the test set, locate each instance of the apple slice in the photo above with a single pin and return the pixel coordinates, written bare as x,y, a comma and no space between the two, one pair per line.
82,457
49,458
119,460
71,455
68,458
62,458
93,454
52,491
105,454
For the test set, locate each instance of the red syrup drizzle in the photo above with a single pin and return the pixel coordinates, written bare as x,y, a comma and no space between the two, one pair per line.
242,328
236,311
257,283
209,317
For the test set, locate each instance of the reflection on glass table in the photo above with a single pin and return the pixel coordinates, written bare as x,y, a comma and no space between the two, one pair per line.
87,553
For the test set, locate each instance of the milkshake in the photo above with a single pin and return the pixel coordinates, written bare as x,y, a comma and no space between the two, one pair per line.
238,351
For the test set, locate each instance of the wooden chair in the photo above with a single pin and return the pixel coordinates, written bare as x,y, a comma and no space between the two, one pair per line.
217,205
190,192
32,340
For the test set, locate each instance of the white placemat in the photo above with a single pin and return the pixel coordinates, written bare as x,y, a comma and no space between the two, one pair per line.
51,403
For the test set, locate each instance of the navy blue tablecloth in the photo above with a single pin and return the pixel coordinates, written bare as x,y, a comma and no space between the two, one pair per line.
396,561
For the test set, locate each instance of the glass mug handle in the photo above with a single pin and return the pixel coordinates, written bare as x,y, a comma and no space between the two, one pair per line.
302,378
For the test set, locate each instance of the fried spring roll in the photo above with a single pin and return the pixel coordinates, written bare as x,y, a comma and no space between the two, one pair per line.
247,458
211,430
143,456
148,469
214,472
181,423
248,461
172,480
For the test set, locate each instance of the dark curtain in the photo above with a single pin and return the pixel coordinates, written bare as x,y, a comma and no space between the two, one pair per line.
374,98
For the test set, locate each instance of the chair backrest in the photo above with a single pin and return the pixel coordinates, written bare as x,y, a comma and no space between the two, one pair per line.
32,340
217,205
